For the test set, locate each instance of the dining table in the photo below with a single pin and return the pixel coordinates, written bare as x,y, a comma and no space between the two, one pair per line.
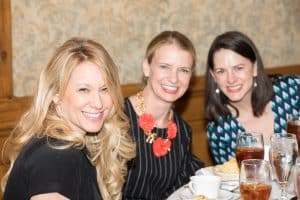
229,188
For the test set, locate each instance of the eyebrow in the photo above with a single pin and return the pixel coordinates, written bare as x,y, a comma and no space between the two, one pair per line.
82,84
240,64
182,66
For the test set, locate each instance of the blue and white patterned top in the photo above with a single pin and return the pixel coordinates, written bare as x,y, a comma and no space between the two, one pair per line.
222,136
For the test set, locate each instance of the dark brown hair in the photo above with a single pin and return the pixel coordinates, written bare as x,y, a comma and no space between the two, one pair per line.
216,104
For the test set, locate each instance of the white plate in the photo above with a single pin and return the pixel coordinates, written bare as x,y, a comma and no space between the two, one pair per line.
185,193
214,170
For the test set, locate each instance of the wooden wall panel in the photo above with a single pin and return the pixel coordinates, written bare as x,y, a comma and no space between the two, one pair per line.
6,86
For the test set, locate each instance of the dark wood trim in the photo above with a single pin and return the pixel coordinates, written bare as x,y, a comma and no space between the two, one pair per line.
6,86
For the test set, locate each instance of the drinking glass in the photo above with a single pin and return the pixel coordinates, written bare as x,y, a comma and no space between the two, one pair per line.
297,178
249,146
255,179
293,126
283,153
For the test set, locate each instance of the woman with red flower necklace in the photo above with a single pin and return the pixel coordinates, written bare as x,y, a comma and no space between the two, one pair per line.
164,161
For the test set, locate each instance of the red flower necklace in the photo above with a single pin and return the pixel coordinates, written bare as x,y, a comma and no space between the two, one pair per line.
161,146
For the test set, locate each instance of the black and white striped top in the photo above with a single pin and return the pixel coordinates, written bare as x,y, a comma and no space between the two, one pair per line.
150,177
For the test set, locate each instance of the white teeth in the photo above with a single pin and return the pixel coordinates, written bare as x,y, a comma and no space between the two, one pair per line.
170,87
93,115
234,87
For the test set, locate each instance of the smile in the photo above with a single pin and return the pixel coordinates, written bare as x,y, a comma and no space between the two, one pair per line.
170,88
92,114
235,88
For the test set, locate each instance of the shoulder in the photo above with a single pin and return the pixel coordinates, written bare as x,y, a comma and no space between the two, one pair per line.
129,110
284,82
224,123
286,88
43,152
181,123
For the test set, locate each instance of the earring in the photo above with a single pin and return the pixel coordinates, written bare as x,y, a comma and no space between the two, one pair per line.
254,82
217,90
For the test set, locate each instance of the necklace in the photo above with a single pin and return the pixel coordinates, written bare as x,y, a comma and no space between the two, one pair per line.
160,146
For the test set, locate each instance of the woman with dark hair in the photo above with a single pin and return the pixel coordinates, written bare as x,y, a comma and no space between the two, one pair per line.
241,97
164,161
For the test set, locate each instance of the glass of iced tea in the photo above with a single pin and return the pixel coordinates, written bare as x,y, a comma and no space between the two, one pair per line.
255,180
293,126
249,146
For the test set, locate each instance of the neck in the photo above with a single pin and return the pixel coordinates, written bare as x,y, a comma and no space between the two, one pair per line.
244,106
245,110
158,109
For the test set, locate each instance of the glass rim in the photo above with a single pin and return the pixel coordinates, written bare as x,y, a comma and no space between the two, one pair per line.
286,135
250,133
293,116
254,161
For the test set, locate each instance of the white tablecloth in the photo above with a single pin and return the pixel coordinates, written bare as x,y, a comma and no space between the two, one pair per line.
229,189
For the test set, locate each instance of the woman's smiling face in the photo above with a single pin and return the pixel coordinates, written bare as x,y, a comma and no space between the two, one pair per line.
169,72
234,74
86,101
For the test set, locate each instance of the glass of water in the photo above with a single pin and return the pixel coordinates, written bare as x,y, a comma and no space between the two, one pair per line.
283,154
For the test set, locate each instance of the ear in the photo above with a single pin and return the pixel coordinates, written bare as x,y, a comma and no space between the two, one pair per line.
56,99
255,69
212,74
146,68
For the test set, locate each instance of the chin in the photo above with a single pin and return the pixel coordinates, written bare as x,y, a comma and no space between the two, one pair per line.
93,129
236,99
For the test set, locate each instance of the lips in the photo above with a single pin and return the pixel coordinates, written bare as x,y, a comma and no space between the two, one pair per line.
170,89
235,88
93,115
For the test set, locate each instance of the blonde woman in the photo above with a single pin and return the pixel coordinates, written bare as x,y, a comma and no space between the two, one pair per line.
73,142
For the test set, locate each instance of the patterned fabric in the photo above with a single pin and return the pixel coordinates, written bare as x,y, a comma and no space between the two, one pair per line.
222,136
155,178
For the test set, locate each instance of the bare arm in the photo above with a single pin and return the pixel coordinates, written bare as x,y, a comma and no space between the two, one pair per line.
49,196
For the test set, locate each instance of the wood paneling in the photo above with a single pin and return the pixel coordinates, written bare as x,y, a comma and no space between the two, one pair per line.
6,86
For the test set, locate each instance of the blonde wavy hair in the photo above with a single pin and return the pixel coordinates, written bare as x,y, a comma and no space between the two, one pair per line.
110,149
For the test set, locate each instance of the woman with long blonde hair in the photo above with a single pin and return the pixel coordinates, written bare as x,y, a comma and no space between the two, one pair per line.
73,142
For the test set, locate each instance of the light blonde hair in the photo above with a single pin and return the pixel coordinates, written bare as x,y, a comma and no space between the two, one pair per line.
168,38
110,149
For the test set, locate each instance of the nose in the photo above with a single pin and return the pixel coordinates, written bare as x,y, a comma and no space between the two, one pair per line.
174,76
231,77
96,101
